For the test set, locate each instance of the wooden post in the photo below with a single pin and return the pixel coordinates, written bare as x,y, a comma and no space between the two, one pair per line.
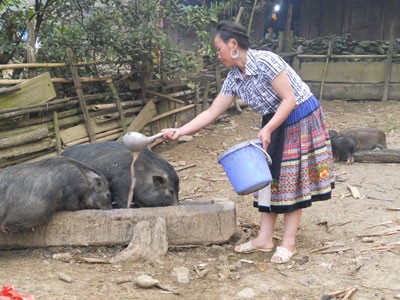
57,132
119,105
389,62
241,9
328,56
79,92
251,17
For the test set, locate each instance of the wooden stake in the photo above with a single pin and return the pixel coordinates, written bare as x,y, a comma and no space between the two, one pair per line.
119,105
57,132
330,47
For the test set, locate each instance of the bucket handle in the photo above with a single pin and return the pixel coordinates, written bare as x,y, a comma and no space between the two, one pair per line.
263,151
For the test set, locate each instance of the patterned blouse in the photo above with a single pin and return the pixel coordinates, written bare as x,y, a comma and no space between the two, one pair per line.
256,89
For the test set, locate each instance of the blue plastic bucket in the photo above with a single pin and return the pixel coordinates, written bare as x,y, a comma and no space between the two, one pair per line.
246,166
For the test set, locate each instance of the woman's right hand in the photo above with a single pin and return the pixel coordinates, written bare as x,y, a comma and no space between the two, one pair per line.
171,134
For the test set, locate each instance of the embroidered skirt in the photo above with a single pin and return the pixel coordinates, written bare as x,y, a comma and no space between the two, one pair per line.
302,170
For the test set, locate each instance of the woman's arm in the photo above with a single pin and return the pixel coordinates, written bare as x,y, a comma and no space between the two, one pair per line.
284,90
217,108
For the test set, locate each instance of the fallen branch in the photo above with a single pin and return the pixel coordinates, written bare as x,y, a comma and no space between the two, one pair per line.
209,179
382,247
388,231
185,167
335,250
342,294
385,223
349,292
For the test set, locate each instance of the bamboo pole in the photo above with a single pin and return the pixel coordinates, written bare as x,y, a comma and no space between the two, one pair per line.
114,116
27,148
78,87
239,15
114,132
23,138
172,112
60,80
108,106
58,65
31,157
330,47
153,93
181,93
9,90
389,62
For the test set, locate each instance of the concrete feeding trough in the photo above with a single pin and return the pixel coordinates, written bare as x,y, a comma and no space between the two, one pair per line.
189,224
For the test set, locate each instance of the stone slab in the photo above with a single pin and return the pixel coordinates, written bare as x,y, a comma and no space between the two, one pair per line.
189,224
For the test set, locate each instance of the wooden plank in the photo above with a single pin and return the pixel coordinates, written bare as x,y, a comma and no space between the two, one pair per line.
143,118
352,91
37,90
345,72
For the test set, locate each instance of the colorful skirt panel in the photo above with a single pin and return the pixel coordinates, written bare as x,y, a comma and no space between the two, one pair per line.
306,166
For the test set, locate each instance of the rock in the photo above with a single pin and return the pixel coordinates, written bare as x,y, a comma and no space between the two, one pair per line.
182,274
145,281
64,277
185,138
247,293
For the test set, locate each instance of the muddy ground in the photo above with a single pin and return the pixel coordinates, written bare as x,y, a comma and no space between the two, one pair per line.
343,244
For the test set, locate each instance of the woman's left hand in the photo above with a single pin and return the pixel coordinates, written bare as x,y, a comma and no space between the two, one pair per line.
264,135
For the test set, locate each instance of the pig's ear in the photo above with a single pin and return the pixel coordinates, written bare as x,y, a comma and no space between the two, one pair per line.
98,181
158,181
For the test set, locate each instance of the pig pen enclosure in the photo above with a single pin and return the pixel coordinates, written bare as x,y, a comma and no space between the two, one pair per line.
347,247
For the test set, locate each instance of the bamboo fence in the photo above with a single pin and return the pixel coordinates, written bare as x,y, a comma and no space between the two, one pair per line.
34,132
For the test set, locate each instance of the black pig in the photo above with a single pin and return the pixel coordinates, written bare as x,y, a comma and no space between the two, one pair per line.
366,138
332,133
31,193
157,183
343,149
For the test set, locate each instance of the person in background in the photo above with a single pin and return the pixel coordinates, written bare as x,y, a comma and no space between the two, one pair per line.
270,35
293,132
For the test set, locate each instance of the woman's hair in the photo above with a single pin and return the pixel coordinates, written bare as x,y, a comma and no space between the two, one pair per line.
231,30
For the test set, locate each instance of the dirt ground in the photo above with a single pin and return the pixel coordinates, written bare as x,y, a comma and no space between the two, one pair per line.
343,244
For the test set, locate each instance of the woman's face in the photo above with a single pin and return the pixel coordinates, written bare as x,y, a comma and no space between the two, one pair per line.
223,49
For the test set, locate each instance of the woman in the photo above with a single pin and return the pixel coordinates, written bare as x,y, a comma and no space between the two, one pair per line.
293,132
